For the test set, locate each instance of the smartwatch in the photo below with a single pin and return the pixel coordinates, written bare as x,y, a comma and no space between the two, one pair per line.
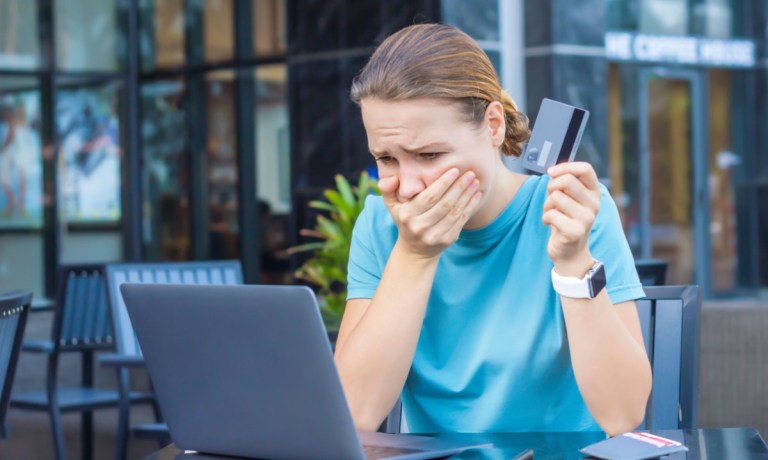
581,288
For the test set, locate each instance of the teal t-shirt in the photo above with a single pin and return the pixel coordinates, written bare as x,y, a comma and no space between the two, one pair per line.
493,351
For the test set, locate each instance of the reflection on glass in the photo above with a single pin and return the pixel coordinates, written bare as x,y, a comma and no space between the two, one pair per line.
90,34
273,171
161,33
21,172
478,18
88,124
664,17
671,176
165,184
723,162
222,165
19,44
219,30
269,27
712,18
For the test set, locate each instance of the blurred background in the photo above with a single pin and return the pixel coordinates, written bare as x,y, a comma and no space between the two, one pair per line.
200,129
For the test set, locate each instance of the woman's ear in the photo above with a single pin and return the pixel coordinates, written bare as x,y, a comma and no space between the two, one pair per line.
494,119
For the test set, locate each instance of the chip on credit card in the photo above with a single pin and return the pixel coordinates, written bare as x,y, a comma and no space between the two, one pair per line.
555,136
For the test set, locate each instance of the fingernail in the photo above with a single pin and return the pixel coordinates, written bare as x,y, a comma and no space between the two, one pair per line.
468,177
453,173
474,184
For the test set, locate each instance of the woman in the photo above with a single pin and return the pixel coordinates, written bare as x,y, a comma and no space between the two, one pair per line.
451,303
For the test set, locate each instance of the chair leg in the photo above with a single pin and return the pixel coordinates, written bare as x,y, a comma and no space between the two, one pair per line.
58,434
86,417
124,414
86,434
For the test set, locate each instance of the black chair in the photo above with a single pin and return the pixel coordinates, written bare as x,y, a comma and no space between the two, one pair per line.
652,272
14,307
80,324
128,351
669,318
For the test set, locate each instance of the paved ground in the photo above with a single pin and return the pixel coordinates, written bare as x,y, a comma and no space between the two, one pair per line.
31,439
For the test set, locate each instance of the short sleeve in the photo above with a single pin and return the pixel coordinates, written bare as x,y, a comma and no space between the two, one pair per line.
608,244
363,271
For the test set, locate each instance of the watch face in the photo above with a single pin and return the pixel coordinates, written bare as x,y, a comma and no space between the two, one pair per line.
597,280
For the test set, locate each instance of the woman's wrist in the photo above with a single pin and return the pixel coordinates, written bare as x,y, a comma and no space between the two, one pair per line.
577,266
414,256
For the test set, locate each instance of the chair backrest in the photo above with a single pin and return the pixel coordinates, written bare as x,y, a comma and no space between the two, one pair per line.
82,312
652,272
669,317
14,307
199,272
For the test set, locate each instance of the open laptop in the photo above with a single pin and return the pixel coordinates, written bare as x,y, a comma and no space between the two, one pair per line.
248,371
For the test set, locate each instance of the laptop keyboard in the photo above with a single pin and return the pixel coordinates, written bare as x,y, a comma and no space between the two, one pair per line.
387,451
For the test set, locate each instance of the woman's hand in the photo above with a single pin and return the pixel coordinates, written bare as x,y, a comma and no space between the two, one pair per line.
432,220
573,200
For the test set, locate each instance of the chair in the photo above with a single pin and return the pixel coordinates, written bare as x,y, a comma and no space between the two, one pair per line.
80,324
128,352
14,307
669,318
652,272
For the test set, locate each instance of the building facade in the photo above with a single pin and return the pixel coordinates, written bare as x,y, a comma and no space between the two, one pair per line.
200,129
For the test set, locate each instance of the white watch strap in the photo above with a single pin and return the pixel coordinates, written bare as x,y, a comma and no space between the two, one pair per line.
569,286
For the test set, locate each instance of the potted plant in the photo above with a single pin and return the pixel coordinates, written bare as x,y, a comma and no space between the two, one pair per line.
327,267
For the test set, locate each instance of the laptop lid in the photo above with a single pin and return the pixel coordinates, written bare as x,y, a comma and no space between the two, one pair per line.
248,371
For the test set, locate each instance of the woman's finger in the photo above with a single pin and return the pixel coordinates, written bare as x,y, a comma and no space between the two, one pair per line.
449,204
570,207
574,188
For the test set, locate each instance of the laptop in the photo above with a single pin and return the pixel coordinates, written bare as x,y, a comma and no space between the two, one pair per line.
248,371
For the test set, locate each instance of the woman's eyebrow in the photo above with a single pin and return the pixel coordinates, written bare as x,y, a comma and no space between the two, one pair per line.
414,150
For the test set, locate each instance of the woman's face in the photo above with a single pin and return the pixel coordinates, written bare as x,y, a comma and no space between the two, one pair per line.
418,140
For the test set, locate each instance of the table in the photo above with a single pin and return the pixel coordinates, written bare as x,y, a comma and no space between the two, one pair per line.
704,444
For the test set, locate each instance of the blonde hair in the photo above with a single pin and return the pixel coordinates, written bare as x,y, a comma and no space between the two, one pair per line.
440,61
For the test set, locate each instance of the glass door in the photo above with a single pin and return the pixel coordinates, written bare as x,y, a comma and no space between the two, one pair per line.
674,167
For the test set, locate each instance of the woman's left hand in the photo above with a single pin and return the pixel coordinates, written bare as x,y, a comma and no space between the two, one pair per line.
573,200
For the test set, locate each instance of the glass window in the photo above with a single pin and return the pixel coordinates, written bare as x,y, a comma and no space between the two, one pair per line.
19,43
478,18
709,18
272,138
273,168
712,18
222,165
162,33
664,17
165,171
269,27
88,124
219,30
21,169
90,34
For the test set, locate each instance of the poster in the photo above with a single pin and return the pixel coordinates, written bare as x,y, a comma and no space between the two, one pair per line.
89,135
21,171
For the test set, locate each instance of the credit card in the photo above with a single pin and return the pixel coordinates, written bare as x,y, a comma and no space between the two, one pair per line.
555,136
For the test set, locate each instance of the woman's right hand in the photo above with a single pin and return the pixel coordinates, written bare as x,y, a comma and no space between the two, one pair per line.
432,220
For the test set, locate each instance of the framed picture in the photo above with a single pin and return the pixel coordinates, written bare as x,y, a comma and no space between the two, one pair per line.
21,167
90,151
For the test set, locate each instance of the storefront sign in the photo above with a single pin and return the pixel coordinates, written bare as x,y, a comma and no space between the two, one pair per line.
714,52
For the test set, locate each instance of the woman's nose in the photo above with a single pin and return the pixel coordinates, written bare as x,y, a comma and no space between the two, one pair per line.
411,185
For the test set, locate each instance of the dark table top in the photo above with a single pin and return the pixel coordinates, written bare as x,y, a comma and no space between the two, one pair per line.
704,444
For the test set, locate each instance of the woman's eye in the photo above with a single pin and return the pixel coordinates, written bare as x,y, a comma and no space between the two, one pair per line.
385,160
430,155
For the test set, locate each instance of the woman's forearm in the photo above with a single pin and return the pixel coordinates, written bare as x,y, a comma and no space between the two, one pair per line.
610,365
374,357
